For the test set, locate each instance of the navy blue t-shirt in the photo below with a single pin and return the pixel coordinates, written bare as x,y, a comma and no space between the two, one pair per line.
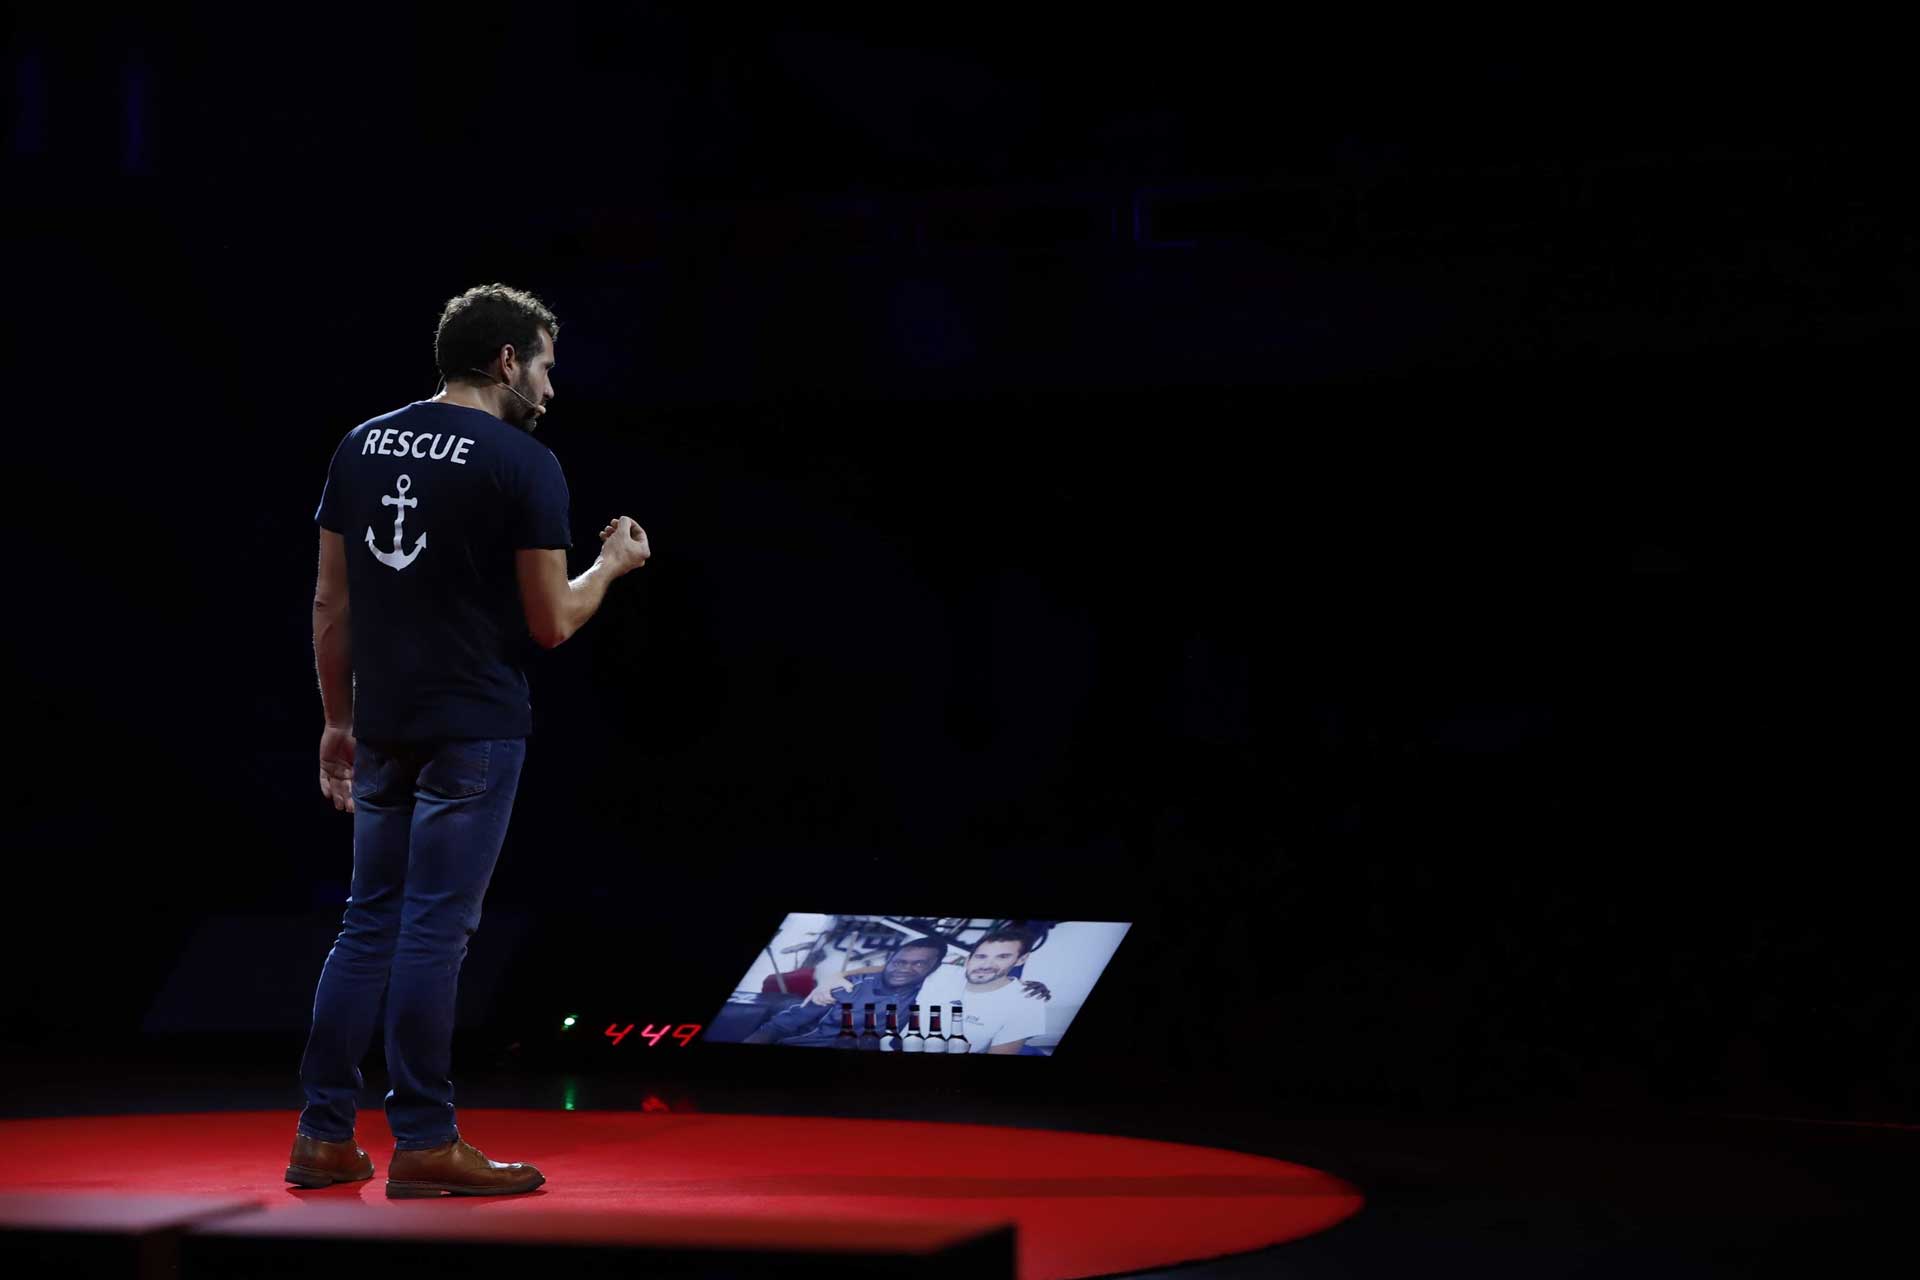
433,500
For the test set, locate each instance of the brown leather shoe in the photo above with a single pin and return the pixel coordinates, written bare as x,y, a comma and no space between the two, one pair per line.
457,1170
321,1164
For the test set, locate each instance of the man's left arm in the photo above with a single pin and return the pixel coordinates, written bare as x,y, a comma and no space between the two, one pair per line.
1023,1023
333,662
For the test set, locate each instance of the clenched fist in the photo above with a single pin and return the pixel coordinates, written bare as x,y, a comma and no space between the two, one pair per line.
623,546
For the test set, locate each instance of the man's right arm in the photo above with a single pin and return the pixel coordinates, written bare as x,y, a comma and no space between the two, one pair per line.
555,607
794,1020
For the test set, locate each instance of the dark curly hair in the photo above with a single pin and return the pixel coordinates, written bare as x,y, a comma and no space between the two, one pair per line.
475,325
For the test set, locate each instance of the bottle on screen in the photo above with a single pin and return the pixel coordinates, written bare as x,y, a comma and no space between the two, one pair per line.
913,1041
890,1036
846,1039
869,1034
936,1043
957,1042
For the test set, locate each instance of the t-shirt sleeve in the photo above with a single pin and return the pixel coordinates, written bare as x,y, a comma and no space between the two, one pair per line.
1026,1018
799,1019
544,519
328,515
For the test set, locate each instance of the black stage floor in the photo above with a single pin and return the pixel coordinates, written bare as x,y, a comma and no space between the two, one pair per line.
1540,1190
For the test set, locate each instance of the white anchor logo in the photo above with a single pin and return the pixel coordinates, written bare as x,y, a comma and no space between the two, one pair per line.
395,559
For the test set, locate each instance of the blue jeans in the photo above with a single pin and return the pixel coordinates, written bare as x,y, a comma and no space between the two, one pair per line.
428,822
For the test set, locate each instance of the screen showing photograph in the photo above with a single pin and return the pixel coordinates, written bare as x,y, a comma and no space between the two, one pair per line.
910,984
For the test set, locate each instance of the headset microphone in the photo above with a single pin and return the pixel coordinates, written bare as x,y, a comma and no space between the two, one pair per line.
539,410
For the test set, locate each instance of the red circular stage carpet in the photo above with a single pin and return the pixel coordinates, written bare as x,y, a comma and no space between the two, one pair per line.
1085,1204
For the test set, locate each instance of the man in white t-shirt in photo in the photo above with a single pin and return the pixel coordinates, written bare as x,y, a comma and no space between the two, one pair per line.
1001,1012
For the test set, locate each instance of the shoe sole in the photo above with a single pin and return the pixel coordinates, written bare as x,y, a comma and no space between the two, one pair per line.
423,1190
301,1176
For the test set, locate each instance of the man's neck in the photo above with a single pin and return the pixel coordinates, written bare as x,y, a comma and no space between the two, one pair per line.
995,985
489,399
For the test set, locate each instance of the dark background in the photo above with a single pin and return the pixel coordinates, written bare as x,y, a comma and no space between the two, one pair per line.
1406,517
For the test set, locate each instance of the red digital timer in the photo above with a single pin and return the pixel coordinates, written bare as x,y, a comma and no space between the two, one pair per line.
653,1035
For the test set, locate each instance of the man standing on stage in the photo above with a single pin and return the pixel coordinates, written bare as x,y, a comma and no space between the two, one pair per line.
444,531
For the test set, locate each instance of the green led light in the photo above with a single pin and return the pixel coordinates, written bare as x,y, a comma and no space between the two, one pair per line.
568,1021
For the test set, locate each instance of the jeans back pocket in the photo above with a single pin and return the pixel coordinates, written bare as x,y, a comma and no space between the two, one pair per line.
458,769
